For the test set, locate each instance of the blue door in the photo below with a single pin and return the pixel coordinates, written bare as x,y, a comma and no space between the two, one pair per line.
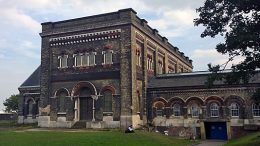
216,130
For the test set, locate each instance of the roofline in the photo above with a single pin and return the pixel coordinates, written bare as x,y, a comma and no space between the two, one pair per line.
88,17
22,87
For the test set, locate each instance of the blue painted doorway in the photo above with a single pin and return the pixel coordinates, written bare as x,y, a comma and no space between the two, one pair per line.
216,130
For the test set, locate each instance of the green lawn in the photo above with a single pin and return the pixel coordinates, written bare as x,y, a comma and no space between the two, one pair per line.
87,138
249,140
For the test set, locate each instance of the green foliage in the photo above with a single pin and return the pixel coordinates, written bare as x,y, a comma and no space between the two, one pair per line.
88,138
11,104
252,139
239,22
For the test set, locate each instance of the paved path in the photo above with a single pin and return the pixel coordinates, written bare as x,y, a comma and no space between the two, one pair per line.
212,143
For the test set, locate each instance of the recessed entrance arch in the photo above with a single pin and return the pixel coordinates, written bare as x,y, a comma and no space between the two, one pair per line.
84,94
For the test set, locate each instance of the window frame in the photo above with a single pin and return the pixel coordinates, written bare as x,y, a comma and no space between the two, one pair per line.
255,109
214,110
176,110
94,58
195,111
60,58
105,53
159,110
234,108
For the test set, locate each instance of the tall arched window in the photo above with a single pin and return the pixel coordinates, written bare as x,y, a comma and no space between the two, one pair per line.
30,107
194,110
256,110
61,97
214,110
234,110
176,110
107,101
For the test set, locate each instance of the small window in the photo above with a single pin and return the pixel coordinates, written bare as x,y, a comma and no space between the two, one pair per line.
214,110
107,57
159,106
138,58
170,70
195,110
160,67
92,59
63,61
234,110
85,59
159,112
77,60
176,110
256,110
150,62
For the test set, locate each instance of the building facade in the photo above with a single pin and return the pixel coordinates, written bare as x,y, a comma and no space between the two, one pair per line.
95,70
113,70
183,105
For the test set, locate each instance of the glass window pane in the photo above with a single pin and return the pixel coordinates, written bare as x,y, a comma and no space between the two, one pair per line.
214,110
176,110
159,112
78,60
30,107
108,57
92,59
107,101
85,59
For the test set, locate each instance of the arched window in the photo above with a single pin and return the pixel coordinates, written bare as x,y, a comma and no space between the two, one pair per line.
234,110
107,101
61,96
159,108
30,107
256,110
214,110
176,110
194,110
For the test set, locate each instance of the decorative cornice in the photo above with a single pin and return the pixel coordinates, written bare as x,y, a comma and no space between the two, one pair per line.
85,37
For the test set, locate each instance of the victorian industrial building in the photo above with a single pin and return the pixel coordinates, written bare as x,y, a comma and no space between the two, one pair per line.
113,70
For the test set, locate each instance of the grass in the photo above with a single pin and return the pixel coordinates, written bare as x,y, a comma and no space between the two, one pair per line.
87,138
7,123
252,139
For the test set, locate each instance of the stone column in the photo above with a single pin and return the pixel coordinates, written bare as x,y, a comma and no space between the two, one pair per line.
156,61
228,130
126,73
143,111
165,63
202,130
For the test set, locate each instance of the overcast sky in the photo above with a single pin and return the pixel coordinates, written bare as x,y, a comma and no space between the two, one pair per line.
20,25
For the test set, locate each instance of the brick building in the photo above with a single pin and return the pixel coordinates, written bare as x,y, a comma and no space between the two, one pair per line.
96,70
182,104
113,70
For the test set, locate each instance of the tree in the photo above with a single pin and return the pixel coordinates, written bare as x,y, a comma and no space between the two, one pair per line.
11,104
239,22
